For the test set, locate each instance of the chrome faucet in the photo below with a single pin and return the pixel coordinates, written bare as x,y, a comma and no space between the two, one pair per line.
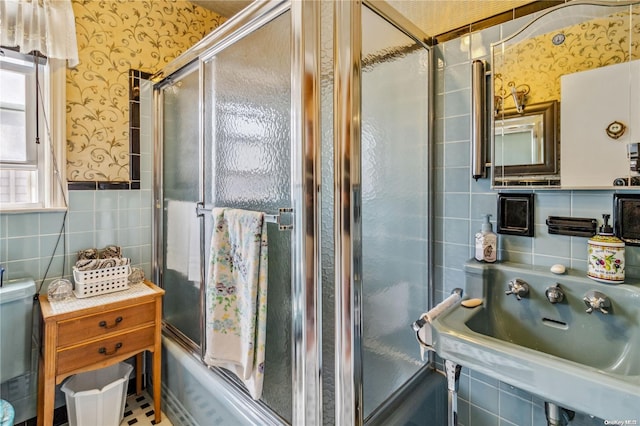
518,287
554,294
596,300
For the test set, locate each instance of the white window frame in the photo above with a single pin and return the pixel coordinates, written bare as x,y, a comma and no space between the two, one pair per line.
51,153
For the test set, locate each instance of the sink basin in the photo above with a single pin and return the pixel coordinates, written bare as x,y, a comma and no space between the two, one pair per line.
585,362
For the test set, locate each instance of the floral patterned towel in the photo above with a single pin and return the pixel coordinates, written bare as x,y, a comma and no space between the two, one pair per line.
236,296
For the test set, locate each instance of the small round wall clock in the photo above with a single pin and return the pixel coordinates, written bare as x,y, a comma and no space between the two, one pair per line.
616,129
558,39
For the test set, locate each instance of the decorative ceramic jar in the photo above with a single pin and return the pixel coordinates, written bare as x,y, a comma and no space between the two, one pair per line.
606,256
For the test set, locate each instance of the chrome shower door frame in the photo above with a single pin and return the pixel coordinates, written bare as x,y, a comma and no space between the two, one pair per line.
305,178
306,149
347,219
158,183
306,335
349,403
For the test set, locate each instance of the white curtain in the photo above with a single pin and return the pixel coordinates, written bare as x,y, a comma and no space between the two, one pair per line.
47,26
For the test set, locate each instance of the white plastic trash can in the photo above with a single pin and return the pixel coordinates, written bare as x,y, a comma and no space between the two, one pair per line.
97,397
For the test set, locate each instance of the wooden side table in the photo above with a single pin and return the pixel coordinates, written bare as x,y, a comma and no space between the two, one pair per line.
86,334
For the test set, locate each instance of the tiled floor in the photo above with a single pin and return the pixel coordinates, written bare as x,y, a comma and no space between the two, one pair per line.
139,411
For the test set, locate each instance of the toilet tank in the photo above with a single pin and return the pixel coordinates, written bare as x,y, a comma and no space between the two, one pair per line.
16,324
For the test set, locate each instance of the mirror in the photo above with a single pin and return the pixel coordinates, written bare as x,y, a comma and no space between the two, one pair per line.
525,144
550,65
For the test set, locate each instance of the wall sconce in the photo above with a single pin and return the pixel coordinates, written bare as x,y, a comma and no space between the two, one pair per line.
497,104
518,92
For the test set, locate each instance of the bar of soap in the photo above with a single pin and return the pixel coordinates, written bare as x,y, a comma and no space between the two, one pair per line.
558,269
471,303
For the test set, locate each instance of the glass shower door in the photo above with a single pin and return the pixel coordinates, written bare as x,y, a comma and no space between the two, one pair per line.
395,202
381,169
246,156
247,150
181,274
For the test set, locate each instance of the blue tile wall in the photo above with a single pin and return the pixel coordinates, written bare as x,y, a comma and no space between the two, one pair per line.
30,243
459,205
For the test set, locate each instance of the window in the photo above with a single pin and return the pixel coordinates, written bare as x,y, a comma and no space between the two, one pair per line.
28,141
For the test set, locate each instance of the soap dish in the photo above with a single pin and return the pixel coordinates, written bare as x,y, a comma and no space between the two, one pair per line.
515,214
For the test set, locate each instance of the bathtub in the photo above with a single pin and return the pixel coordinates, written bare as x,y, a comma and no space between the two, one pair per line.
195,395
192,394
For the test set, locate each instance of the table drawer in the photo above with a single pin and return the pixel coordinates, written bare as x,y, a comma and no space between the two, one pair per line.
92,326
98,351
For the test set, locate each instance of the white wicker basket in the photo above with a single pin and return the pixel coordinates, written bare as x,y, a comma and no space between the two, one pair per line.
100,281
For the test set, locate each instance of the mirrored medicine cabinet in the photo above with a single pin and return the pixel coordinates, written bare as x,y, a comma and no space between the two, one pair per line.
565,98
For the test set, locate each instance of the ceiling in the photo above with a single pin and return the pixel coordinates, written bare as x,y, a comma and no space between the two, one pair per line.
435,17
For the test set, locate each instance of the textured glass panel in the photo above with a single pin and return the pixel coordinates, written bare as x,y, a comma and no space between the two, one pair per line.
180,185
327,224
394,205
248,166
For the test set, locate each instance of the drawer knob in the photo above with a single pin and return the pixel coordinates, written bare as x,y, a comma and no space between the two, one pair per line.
104,323
103,350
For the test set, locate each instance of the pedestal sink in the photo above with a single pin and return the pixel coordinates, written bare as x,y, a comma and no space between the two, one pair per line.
587,362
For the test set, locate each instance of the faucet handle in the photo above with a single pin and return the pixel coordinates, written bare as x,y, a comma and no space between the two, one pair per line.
596,300
554,294
518,287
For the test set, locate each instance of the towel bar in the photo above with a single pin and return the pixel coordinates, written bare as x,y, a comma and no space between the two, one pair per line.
269,218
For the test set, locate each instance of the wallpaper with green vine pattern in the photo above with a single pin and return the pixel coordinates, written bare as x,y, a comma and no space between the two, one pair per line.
539,63
114,36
